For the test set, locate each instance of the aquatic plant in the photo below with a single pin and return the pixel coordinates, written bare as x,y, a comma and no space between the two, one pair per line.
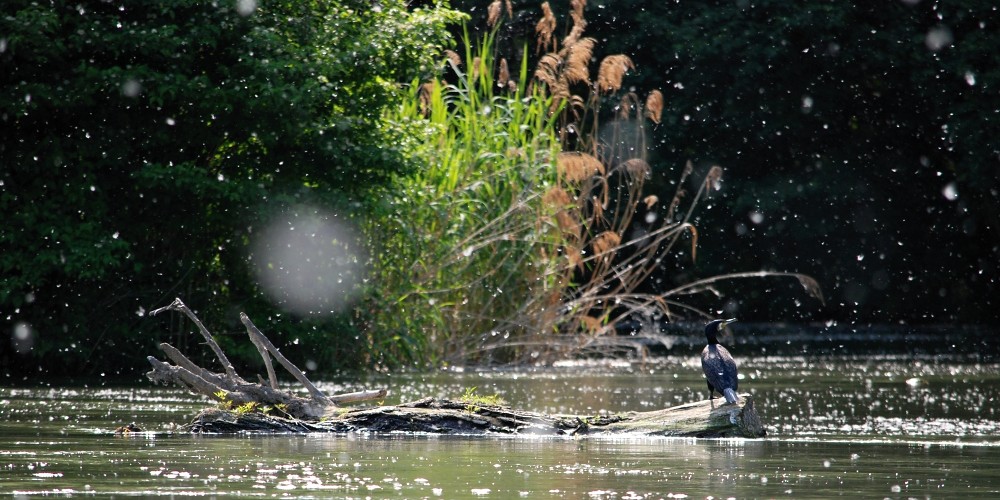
603,169
518,241
464,250
474,400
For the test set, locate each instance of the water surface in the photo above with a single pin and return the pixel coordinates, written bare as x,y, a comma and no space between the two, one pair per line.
896,423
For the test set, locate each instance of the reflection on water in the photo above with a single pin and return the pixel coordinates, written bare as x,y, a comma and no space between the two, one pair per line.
891,425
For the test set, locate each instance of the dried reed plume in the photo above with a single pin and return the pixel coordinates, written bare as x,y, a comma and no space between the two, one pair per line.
426,91
577,7
574,34
476,63
650,201
546,27
694,240
504,73
453,57
573,255
578,167
493,13
568,225
495,9
637,168
556,198
811,286
577,59
654,106
680,193
591,324
597,206
579,22
629,101
606,243
714,178
559,92
547,71
613,68
559,199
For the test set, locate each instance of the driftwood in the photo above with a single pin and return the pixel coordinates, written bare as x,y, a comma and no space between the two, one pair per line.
436,416
233,390
248,406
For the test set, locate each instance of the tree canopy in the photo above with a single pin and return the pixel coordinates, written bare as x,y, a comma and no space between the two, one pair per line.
145,141
146,145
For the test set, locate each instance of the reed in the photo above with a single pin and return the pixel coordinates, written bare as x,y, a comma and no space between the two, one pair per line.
468,246
613,69
545,28
514,242
599,187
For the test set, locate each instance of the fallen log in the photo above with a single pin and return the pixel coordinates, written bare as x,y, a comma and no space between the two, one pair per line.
260,407
441,416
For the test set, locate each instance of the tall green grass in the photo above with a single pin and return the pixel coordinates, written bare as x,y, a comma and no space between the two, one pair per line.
514,240
465,246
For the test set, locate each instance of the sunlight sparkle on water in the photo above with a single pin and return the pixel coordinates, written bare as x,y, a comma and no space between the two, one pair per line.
833,421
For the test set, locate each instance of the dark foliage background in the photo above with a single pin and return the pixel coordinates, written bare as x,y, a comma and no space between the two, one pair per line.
144,142
858,141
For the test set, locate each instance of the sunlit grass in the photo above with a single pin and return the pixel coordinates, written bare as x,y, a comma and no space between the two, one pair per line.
465,246
473,399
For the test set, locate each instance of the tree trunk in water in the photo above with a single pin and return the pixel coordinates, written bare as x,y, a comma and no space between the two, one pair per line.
439,416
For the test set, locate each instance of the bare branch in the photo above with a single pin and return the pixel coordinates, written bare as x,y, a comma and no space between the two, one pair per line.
271,377
166,373
356,397
291,368
180,360
178,305
811,286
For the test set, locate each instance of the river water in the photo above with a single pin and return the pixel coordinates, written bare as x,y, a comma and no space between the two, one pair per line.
896,416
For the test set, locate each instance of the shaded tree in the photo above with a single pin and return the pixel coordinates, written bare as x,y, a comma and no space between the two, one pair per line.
144,142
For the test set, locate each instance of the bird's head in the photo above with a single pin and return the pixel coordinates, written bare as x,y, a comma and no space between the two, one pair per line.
714,327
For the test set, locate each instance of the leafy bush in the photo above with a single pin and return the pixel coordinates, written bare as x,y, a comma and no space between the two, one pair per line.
144,142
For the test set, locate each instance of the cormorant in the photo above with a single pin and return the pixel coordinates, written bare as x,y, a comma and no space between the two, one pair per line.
718,365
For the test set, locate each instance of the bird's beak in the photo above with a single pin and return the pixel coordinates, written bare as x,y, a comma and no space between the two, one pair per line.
727,322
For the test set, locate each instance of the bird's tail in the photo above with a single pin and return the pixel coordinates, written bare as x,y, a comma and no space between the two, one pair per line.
730,395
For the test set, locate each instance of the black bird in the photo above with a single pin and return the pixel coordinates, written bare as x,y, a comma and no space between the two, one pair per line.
718,365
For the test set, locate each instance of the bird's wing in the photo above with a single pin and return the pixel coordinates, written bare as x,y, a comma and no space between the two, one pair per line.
719,367
713,367
729,367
